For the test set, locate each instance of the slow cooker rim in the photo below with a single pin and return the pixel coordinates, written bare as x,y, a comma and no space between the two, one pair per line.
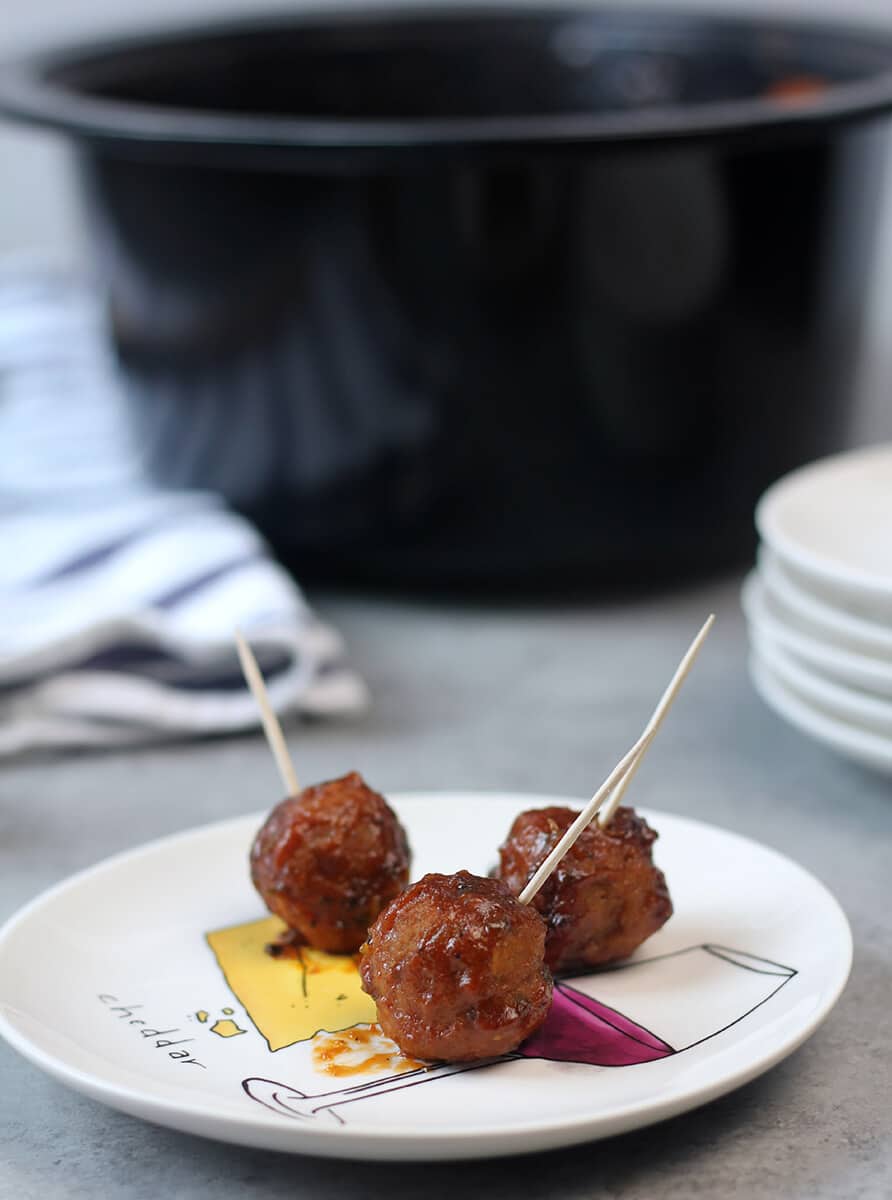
29,93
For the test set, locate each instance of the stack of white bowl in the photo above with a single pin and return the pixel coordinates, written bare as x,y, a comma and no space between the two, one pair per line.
819,603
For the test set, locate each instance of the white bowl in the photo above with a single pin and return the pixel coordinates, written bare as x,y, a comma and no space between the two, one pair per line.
869,749
860,671
856,708
814,616
830,524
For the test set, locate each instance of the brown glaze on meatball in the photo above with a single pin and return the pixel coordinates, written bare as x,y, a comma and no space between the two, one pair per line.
455,966
606,896
328,860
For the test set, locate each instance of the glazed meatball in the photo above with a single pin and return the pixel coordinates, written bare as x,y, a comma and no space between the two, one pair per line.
606,896
328,860
455,966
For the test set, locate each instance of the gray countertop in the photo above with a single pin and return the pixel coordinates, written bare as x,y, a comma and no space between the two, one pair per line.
533,699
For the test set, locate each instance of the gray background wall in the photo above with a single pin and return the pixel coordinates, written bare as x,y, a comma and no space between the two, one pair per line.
38,204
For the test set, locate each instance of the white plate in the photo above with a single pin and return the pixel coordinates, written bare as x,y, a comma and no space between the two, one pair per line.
872,675
814,616
830,524
108,982
855,708
859,745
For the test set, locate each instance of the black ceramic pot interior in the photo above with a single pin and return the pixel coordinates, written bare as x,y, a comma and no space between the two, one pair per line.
436,69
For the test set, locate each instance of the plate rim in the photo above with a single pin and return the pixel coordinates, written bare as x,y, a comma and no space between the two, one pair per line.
837,624
841,576
529,1136
850,741
819,691
874,673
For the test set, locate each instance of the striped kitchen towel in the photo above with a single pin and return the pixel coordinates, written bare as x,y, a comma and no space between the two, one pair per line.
118,600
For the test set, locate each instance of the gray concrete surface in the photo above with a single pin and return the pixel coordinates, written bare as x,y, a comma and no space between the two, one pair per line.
535,699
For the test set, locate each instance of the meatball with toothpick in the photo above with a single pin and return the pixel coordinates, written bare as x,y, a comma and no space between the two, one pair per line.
455,966
606,895
328,860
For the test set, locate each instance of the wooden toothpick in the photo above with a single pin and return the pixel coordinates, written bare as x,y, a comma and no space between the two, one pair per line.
271,727
619,777
568,840
606,813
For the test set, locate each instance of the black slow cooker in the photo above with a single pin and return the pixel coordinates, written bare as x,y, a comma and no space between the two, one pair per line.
513,295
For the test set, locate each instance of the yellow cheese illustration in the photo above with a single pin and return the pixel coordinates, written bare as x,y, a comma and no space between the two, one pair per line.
226,1027
292,997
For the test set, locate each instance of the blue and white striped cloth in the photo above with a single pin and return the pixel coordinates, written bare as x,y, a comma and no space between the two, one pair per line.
118,600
